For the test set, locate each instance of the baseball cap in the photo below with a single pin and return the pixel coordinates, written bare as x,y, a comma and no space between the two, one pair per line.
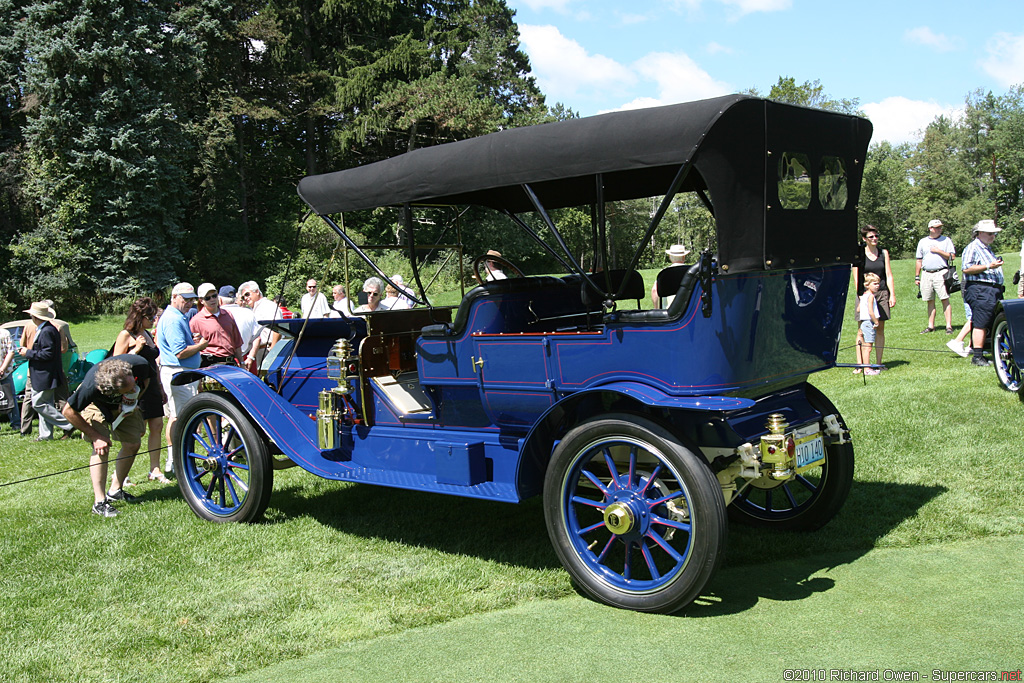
185,290
935,223
227,291
205,289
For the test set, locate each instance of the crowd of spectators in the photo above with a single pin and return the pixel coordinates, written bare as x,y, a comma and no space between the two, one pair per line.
132,390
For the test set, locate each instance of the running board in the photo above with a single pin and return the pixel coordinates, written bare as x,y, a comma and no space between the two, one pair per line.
426,482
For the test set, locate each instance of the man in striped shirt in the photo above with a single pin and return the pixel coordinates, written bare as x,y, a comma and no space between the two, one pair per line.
983,284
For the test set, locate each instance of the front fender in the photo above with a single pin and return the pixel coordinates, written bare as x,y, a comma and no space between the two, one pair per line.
291,430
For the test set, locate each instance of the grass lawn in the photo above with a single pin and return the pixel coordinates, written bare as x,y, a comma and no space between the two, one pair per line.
347,582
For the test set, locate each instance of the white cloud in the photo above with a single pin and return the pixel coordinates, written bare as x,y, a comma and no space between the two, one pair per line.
923,35
1005,61
751,6
898,119
630,19
678,77
564,69
557,5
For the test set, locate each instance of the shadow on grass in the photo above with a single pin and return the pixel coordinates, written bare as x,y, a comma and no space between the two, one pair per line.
781,565
758,564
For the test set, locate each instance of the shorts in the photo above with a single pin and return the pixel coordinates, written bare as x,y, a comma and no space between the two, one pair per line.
882,299
933,285
177,396
128,431
867,329
983,300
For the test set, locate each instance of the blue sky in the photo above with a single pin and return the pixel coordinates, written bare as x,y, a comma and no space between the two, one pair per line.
907,61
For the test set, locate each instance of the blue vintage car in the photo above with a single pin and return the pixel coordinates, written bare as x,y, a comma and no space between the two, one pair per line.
1008,343
643,430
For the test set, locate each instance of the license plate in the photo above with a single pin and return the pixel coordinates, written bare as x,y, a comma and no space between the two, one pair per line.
810,450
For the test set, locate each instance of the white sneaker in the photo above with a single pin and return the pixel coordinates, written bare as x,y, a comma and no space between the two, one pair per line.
957,348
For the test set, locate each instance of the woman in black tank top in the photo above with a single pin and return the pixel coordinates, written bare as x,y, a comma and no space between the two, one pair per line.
876,261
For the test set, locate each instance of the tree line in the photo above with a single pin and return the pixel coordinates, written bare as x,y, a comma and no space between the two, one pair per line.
141,143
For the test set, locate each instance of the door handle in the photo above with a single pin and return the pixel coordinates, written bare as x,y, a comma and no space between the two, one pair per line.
478,363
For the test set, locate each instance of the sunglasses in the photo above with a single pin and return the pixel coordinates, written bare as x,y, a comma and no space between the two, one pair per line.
209,297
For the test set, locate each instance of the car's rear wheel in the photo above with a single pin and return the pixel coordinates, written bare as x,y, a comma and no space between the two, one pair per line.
1002,355
636,518
224,470
809,500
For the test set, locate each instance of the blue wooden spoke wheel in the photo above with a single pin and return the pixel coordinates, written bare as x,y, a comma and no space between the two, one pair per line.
224,470
806,502
1002,355
636,518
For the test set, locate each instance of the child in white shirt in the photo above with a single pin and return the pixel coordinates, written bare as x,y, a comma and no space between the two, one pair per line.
867,313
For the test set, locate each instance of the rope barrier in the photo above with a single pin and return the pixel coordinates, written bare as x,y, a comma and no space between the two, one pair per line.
83,467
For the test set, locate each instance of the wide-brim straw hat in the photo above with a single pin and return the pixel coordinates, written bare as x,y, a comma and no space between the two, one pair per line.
42,310
987,225
677,250
492,252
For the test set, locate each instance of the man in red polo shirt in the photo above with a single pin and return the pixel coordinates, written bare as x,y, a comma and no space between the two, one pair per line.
218,327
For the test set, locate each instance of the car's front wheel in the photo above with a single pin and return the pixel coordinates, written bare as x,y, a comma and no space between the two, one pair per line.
224,470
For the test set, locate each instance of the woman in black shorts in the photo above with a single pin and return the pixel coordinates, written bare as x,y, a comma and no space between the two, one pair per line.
876,261
135,338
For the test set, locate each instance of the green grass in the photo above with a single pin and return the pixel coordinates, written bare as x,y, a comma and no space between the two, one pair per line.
350,576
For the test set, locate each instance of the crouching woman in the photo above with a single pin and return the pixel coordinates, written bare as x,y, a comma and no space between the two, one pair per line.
107,406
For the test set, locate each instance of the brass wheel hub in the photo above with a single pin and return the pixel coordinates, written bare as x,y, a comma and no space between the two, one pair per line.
618,518
210,465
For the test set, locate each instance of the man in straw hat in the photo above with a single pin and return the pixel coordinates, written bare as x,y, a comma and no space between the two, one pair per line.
46,367
677,256
983,284
493,271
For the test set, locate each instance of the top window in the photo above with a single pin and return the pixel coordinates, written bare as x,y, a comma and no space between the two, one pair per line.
794,181
832,188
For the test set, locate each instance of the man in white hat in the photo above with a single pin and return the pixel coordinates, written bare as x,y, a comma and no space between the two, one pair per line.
494,271
935,254
677,257
179,351
983,284
47,370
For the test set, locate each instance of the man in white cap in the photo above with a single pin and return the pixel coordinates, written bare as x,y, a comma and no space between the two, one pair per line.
494,272
983,284
677,257
935,254
179,351
47,369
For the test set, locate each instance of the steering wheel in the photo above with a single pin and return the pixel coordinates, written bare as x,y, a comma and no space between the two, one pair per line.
510,269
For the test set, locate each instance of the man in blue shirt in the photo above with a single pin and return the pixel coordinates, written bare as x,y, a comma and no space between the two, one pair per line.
179,351
983,284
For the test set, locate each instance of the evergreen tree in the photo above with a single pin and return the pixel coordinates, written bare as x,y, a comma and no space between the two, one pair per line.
105,150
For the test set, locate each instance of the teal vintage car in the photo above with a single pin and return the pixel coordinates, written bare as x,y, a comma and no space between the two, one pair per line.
75,364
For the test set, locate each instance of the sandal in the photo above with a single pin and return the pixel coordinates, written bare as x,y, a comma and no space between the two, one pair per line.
949,330
927,330
159,477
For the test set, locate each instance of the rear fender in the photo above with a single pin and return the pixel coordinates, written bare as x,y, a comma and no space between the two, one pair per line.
536,447
1014,311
